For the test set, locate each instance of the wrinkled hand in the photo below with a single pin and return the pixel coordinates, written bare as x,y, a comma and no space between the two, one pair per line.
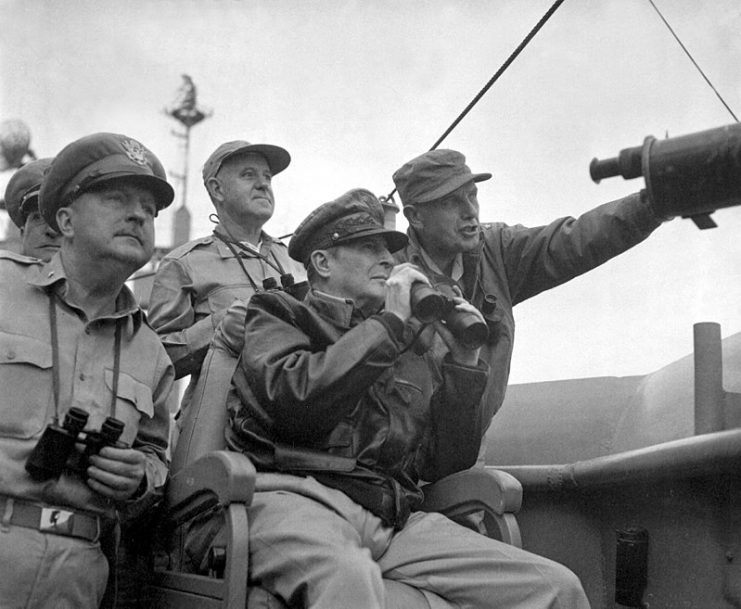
116,473
460,354
397,289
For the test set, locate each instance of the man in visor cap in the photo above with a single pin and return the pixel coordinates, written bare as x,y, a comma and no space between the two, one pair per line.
38,239
342,420
83,421
198,281
496,266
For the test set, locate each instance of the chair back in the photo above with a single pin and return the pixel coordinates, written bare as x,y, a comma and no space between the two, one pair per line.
204,421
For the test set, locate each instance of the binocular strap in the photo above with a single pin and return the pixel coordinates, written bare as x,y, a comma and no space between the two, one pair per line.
55,356
277,266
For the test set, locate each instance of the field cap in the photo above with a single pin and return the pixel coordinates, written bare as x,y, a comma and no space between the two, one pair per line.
354,215
22,191
95,159
432,175
278,158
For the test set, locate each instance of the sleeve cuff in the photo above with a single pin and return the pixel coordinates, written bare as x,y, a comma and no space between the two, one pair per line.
393,324
141,491
481,365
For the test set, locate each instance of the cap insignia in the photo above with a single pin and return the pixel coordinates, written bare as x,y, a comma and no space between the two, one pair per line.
355,222
135,151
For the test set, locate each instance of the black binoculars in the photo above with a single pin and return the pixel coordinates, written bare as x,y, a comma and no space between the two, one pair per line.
436,303
287,284
57,444
689,176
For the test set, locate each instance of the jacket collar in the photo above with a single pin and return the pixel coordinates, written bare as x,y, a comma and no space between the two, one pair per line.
266,243
418,256
341,312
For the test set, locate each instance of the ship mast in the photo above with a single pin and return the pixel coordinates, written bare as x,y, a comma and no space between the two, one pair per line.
186,112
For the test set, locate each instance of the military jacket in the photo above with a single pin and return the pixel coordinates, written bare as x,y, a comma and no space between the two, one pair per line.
321,391
514,263
86,380
196,283
194,286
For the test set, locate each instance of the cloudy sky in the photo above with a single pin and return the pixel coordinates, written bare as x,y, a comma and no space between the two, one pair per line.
354,88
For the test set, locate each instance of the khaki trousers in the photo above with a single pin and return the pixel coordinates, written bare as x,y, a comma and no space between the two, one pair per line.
41,570
316,548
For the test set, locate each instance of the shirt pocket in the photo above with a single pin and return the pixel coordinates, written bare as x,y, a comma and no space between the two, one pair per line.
134,399
26,385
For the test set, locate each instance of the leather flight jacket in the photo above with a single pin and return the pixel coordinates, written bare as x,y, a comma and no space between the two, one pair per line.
321,391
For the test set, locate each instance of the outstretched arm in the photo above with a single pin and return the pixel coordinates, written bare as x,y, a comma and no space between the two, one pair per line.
537,259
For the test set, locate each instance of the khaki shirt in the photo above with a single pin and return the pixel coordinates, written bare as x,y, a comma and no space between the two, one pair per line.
86,354
196,283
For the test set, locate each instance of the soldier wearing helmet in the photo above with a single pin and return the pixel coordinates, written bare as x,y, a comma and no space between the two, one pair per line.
72,335
38,239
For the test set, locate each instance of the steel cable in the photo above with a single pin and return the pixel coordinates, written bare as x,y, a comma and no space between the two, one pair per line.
493,79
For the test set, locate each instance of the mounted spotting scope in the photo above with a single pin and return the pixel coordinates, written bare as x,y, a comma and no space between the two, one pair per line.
689,176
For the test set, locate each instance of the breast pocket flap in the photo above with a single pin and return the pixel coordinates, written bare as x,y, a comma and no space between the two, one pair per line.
133,391
16,349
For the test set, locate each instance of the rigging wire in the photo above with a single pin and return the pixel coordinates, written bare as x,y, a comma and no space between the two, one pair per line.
692,59
494,78
519,49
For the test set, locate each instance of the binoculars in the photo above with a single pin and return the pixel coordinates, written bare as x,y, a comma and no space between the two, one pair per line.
287,284
57,444
432,304
689,176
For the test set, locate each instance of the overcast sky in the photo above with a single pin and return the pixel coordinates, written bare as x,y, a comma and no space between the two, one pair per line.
354,88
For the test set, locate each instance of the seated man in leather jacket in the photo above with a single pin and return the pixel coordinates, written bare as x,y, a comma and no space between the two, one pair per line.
342,420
